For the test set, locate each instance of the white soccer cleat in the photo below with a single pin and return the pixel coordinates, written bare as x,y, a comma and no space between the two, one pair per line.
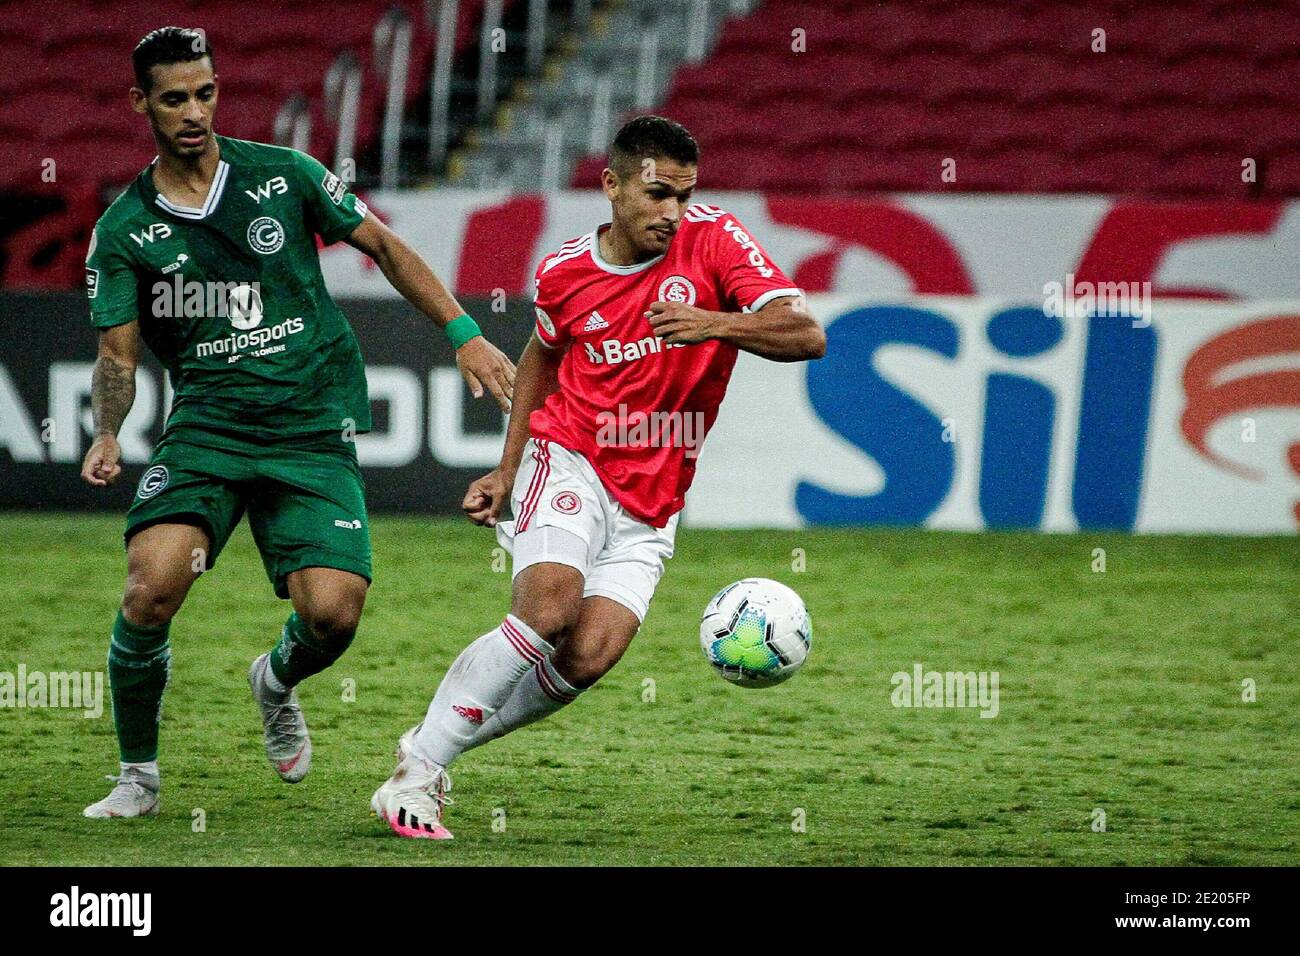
136,795
412,799
288,746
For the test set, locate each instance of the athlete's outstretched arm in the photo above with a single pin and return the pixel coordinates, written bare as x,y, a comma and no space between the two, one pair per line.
480,362
112,393
783,330
537,377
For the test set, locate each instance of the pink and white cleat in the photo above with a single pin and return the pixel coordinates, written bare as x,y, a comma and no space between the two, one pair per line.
412,799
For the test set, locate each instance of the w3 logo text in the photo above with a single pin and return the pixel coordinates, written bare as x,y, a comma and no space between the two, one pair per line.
272,187
156,230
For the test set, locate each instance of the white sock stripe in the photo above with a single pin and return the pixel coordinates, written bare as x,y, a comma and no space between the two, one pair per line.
557,681
531,637
522,647
526,647
541,682
549,689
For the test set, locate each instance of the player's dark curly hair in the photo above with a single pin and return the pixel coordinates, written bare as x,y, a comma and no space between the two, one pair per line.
168,45
655,137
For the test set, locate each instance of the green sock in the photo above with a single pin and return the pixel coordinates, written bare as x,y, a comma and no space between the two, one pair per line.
299,654
139,663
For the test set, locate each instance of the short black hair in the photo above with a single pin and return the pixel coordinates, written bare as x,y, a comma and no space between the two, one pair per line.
655,137
168,45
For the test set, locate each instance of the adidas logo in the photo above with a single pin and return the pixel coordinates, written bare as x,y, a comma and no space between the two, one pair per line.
595,323
473,714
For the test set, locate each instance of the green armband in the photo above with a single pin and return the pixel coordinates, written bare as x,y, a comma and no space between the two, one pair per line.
461,330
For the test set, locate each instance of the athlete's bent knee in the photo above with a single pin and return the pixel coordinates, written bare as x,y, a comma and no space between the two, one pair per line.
150,604
548,622
333,621
585,663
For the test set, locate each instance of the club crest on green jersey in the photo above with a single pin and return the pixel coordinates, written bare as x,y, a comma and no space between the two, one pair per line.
152,481
265,235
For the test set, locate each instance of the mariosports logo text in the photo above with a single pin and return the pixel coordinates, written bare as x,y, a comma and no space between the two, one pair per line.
74,909
235,344
240,302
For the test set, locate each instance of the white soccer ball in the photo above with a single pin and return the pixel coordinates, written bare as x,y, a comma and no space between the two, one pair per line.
756,632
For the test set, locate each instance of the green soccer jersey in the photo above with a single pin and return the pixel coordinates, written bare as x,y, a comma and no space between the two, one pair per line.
230,297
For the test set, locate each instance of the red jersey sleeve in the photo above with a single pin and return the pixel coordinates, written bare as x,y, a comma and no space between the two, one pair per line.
747,276
549,329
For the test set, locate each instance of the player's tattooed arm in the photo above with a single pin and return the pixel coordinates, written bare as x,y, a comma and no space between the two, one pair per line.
483,365
112,393
782,331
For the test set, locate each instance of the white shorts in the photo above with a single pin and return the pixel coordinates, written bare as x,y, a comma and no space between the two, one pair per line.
555,488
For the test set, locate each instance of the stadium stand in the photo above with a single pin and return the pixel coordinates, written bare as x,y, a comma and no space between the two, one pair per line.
1014,92
794,96
68,141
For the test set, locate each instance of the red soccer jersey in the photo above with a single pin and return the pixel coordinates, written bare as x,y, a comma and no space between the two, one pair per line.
636,409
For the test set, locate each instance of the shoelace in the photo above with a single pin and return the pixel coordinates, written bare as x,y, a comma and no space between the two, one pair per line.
438,787
284,719
122,781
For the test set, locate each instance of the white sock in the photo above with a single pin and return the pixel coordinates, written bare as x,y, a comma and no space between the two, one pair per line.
476,685
149,768
538,695
271,681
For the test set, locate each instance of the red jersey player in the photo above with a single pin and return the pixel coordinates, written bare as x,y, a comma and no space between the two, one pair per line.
637,329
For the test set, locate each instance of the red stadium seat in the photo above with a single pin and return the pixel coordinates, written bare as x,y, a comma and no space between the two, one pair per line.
1211,169
1011,89
1016,81
1281,174
65,70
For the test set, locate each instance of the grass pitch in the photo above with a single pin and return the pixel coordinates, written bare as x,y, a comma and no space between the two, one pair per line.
1120,692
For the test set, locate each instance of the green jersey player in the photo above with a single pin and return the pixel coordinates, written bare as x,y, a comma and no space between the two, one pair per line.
210,258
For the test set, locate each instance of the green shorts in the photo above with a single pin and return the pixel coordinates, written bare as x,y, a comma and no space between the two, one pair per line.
304,496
